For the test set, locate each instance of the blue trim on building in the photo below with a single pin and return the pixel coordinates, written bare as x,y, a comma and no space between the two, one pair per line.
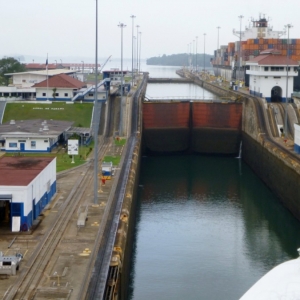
17,209
297,148
29,151
254,93
52,99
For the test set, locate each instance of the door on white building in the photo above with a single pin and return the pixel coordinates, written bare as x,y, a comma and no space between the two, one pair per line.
5,209
276,94
22,147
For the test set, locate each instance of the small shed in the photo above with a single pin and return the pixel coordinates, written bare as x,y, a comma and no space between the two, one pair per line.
33,135
27,185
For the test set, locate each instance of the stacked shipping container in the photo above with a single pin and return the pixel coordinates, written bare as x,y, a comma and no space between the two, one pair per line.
252,48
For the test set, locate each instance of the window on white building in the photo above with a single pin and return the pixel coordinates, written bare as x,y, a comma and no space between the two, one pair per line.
33,144
56,94
12,145
66,94
44,94
266,68
277,68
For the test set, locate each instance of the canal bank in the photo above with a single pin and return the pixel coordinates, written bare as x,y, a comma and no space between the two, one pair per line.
269,157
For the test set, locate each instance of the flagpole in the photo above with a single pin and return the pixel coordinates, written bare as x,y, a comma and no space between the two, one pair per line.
47,76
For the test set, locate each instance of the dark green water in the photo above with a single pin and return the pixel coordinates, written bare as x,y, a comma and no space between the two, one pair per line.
207,228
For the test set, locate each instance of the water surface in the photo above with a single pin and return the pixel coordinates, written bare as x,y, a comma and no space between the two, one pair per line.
207,228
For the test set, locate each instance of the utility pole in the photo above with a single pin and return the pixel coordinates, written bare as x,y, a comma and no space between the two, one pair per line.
204,53
137,47
288,26
241,17
218,50
132,16
121,25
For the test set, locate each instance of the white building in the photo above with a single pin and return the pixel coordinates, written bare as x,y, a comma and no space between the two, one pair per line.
268,75
23,82
27,185
30,78
60,87
33,135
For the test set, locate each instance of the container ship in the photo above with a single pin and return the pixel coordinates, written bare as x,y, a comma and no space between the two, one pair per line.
229,61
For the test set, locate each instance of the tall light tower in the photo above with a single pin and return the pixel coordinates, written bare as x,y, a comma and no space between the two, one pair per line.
217,50
140,51
193,54
82,70
288,26
137,47
204,52
121,25
95,117
132,16
196,54
241,17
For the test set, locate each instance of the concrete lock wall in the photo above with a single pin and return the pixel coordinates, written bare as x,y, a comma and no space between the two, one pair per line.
277,169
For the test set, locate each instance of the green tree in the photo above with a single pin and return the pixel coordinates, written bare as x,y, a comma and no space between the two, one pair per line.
9,65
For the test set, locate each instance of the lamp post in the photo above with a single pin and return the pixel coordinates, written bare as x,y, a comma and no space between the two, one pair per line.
82,70
137,47
193,54
95,117
196,54
241,17
190,56
132,16
61,61
288,26
217,50
140,52
55,62
121,25
204,53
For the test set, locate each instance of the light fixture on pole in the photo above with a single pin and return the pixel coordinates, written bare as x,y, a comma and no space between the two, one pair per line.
288,26
204,52
196,54
82,70
132,16
137,47
217,51
122,26
95,117
240,46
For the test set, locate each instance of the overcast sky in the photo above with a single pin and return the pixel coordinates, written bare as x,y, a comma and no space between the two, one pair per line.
66,28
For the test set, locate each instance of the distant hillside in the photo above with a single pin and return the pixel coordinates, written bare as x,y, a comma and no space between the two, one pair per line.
180,60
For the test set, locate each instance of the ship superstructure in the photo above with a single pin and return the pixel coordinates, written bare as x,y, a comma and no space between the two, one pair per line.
229,61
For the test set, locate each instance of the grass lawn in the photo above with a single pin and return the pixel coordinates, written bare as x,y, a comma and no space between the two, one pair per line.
120,142
80,113
114,159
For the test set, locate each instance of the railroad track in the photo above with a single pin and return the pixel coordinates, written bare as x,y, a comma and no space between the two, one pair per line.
33,272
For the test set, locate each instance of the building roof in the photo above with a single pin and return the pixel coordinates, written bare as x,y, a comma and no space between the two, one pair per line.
36,66
60,81
20,171
34,128
44,72
272,57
